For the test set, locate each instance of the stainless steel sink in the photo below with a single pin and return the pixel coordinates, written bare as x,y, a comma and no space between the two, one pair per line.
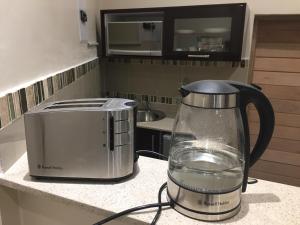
149,115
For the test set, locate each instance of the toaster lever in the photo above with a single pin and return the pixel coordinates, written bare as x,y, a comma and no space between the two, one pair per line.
111,133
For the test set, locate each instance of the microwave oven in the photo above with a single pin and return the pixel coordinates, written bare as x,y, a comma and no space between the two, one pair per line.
134,34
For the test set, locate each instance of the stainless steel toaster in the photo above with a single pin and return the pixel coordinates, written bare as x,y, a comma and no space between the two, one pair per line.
82,138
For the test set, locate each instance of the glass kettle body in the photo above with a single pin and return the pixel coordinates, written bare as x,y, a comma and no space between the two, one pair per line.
210,151
208,156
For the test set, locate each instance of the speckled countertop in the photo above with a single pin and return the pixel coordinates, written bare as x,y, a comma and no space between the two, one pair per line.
263,203
166,124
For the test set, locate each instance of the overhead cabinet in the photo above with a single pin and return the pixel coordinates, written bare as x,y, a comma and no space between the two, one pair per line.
209,32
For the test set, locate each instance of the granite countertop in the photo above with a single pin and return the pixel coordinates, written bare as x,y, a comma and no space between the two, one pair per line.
263,203
166,124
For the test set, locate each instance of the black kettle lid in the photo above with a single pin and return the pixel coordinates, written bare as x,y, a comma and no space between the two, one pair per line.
217,87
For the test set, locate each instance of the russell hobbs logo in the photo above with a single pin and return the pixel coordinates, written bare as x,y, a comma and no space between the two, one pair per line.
39,166
206,203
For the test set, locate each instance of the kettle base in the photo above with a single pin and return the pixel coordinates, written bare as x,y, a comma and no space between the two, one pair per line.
204,217
203,206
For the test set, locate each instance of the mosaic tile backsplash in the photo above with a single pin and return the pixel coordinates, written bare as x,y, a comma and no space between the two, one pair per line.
200,63
145,98
158,80
13,105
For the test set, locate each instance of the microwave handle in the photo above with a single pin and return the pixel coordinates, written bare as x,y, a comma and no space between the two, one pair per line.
148,26
134,52
199,56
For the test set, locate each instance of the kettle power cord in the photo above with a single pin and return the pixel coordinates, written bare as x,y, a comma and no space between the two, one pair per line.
127,211
158,212
159,204
157,215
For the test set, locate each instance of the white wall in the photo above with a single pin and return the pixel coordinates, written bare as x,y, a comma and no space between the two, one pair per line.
255,6
260,7
41,37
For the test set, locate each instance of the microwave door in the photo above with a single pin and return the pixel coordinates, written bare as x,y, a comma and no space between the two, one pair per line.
134,38
124,34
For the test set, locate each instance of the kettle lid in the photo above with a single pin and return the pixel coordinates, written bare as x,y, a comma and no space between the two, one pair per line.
213,94
216,87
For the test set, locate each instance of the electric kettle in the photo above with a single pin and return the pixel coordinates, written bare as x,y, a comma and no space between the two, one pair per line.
210,149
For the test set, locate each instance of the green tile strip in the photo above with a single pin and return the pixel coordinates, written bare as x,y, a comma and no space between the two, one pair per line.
50,86
17,106
23,100
4,111
13,105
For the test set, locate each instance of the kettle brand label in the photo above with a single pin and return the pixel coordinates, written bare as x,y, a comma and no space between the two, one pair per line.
207,203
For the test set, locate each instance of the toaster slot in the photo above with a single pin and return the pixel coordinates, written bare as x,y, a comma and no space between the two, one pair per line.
68,106
82,102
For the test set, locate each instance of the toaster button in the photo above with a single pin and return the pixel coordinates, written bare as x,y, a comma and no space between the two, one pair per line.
123,148
121,139
120,115
121,127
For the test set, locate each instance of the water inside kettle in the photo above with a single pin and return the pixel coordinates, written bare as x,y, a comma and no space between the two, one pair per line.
208,168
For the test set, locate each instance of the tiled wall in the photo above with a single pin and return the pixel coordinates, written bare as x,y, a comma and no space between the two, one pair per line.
144,97
13,105
158,81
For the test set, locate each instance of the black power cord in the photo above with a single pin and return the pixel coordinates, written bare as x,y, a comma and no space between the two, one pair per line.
159,204
157,215
153,153
127,211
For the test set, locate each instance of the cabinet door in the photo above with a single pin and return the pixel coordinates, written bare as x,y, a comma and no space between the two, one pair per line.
148,140
165,143
213,32
132,33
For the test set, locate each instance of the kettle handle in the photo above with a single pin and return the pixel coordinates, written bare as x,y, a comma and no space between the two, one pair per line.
252,94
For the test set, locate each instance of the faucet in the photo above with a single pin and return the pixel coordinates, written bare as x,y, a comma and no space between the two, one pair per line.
147,105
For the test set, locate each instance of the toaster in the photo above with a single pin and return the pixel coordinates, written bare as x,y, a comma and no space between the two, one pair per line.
82,138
